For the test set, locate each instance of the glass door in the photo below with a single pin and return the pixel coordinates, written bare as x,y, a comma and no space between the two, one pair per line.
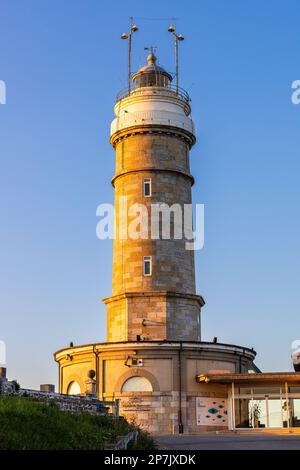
267,412
295,412
269,408
276,412
258,413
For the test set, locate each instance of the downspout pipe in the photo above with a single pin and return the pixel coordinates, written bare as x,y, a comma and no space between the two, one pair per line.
180,423
97,353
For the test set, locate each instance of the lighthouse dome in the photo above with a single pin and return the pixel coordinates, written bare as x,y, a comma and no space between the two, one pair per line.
151,74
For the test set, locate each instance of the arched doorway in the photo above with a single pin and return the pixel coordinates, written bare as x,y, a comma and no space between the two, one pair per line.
74,388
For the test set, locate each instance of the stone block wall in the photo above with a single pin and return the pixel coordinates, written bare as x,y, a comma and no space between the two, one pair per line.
172,264
153,316
162,305
72,404
116,319
152,151
183,318
156,413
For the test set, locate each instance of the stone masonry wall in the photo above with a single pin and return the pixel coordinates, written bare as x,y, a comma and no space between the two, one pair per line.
149,151
153,316
172,265
183,319
164,159
73,404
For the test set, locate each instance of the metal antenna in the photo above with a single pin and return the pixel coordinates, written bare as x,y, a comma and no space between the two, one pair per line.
132,29
177,37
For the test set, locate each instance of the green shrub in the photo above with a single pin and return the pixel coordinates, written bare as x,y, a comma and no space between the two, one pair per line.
16,385
29,424
144,442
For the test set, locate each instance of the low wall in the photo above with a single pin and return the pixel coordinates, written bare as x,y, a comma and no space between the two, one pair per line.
72,404
69,403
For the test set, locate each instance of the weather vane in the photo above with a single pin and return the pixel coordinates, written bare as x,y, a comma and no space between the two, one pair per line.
152,49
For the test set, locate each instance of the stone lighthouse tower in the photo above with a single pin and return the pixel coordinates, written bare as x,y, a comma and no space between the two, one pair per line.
154,350
153,274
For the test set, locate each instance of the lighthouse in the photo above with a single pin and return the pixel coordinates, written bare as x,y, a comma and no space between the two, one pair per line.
154,350
153,275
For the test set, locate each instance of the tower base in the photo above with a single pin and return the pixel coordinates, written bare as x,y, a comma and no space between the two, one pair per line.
156,381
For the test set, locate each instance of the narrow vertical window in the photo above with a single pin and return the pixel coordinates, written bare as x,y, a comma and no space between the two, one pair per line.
147,187
147,265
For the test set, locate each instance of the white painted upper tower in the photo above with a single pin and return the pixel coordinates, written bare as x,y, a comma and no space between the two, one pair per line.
154,100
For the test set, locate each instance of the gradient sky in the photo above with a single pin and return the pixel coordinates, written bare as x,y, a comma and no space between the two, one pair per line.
63,63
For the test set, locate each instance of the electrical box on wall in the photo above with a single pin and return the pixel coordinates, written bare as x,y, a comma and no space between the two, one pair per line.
135,361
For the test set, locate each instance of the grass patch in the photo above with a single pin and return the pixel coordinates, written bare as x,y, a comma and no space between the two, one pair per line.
27,424
144,442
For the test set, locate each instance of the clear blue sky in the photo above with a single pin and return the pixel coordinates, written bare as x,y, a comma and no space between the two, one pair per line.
63,63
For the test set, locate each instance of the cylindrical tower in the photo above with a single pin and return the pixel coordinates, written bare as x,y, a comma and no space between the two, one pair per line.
153,295
154,351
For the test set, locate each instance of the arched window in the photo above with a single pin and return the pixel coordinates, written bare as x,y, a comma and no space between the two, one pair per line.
137,384
74,388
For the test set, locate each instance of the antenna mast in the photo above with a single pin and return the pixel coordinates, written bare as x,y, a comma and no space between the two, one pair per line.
177,37
132,29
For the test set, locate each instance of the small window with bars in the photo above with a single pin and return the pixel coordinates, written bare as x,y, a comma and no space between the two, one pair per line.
147,265
147,187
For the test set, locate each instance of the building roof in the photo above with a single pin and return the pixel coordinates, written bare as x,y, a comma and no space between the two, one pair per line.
226,378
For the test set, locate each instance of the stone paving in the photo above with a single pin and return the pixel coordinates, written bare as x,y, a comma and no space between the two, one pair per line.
230,442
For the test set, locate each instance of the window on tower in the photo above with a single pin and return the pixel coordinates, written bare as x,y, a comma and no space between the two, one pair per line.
147,187
147,265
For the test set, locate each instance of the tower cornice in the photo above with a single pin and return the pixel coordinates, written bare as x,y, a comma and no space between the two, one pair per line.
183,134
154,170
183,295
